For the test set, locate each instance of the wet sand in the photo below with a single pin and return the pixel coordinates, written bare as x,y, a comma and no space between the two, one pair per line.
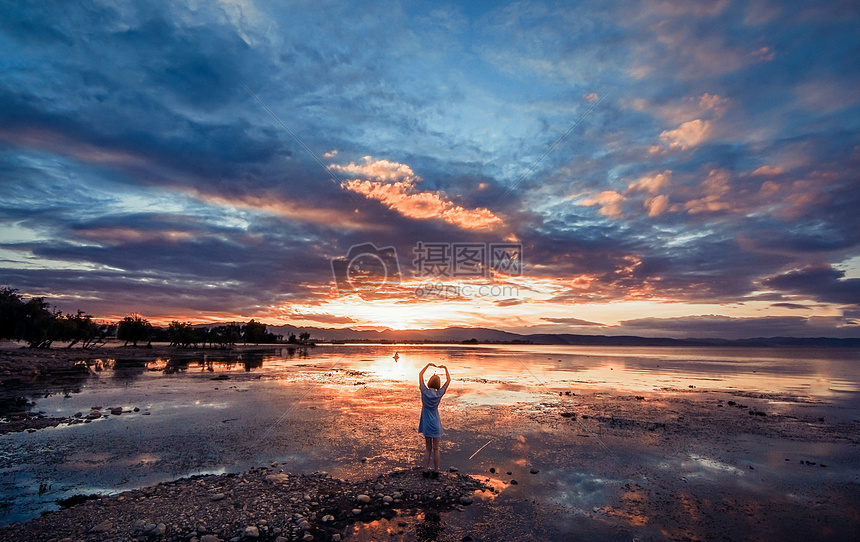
572,459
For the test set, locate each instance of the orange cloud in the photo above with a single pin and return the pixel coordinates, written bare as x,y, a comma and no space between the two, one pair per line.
716,185
689,134
657,205
394,184
769,188
609,201
769,170
652,184
712,102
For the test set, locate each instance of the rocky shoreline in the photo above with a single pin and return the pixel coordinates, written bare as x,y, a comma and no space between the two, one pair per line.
264,504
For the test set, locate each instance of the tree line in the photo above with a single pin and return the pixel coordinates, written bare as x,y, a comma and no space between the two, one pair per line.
36,323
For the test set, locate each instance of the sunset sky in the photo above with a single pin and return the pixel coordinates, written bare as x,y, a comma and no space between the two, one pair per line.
206,161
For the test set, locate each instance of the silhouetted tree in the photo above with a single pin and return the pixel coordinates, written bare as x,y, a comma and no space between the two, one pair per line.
37,323
74,329
133,328
225,336
184,335
33,321
304,337
254,332
10,313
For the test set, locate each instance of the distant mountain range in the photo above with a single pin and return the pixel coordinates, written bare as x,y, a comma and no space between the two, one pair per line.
485,335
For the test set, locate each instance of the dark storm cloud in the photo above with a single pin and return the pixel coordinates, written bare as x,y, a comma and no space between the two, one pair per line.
820,282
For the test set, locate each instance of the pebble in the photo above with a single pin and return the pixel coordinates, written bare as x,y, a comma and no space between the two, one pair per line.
308,537
364,499
251,531
209,538
466,500
102,527
534,471
275,478
217,497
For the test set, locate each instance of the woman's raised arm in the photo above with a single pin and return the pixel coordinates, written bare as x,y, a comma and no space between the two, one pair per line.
421,374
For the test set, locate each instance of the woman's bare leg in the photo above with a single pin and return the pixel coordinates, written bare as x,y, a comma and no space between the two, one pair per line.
437,457
428,442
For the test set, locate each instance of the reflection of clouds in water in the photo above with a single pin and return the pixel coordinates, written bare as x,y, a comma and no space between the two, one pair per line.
578,490
709,464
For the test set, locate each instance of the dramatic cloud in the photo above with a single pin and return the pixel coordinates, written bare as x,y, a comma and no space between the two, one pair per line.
395,185
208,161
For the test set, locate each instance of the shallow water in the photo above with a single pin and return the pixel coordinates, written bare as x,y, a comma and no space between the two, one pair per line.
352,411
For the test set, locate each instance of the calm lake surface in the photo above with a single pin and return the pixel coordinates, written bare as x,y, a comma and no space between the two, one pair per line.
352,411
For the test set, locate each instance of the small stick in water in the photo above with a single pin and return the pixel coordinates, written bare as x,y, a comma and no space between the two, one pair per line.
481,448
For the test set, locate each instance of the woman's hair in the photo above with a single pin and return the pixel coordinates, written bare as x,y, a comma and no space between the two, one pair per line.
435,382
